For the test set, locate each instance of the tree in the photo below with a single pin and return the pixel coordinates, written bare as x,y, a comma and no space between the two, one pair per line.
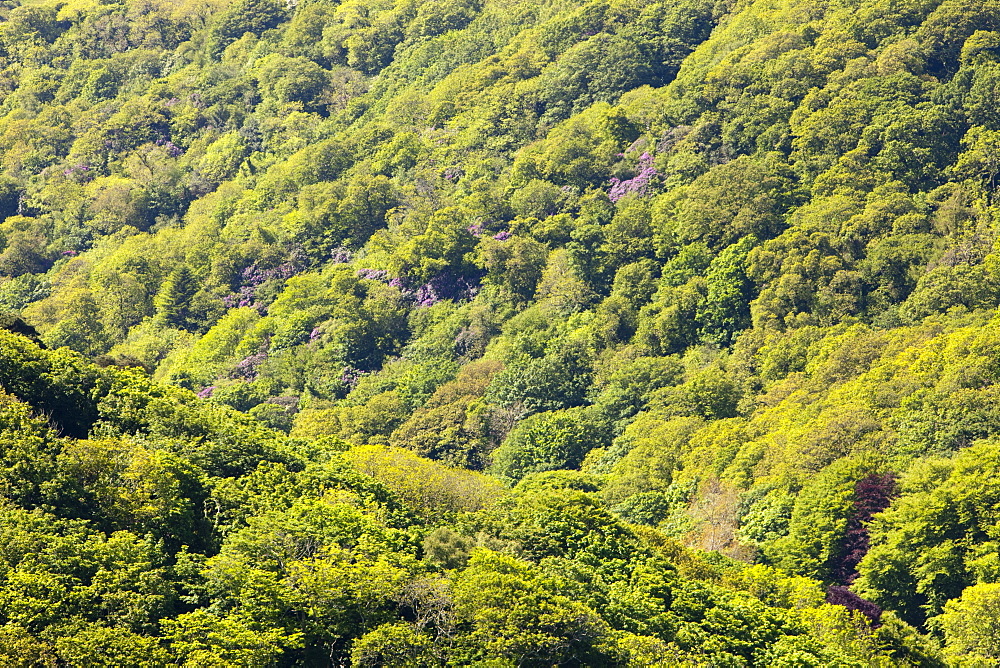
514,264
547,441
937,564
202,639
393,645
726,308
248,16
173,301
971,625
293,79
515,614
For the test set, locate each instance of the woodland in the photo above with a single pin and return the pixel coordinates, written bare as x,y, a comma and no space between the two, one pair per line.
524,333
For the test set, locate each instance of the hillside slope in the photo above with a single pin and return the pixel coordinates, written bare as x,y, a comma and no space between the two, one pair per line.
562,296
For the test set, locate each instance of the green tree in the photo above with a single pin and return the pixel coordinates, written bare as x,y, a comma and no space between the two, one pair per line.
971,626
942,517
547,441
173,301
726,308
248,16
516,614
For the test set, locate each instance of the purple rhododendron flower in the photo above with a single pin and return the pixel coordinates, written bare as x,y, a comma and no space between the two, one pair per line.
446,285
502,236
252,278
351,376
340,255
77,170
639,184
427,296
206,392
372,274
247,367
173,150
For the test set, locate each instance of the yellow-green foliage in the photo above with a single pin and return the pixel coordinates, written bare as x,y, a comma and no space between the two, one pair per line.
429,487
688,276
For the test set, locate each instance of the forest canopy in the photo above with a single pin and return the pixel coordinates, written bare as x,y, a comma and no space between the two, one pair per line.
499,333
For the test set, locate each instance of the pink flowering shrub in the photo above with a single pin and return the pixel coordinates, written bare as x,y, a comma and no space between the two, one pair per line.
252,278
639,184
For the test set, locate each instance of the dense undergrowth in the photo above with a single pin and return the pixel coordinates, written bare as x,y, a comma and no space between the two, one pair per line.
527,333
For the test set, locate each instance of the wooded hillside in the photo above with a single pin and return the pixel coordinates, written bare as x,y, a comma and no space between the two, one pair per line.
499,333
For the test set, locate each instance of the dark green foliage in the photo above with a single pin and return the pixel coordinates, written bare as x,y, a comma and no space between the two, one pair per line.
13,323
59,385
557,380
548,441
725,310
249,16
819,520
173,302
